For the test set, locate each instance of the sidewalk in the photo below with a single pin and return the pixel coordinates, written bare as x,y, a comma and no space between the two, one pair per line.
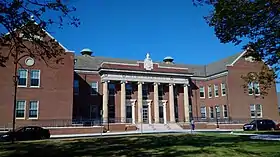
139,132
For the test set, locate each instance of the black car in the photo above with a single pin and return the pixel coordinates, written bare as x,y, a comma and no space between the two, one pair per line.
260,124
26,133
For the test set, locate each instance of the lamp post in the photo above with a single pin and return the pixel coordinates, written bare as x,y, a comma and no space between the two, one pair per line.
217,121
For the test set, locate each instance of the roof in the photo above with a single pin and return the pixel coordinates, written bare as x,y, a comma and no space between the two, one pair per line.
94,63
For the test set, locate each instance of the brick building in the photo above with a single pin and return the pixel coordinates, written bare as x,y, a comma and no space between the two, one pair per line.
89,88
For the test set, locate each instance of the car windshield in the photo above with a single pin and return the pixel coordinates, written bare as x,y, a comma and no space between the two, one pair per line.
253,122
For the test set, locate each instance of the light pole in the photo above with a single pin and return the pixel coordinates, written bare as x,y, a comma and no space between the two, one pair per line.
217,121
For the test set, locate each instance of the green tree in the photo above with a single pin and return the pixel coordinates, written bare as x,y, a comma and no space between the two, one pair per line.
255,21
23,27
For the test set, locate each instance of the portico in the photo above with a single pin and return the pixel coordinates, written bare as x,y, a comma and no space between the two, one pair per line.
147,108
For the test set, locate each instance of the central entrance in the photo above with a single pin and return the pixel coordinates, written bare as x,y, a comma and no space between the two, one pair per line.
145,114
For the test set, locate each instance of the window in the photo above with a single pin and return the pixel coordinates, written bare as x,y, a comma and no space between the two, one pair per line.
225,111
218,112
256,110
223,89
22,78
203,112
254,88
160,92
209,91
128,91
111,89
34,78
20,109
128,114
211,112
145,91
216,90
33,109
202,92
94,88
76,87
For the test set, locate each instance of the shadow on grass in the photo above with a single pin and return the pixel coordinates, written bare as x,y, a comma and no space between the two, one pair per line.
146,145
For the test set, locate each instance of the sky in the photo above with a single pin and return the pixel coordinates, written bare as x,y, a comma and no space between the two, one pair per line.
130,28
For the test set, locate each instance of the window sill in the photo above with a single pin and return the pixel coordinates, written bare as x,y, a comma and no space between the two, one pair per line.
35,87
202,97
33,118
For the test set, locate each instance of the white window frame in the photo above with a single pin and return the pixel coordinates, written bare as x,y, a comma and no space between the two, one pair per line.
24,114
223,86
256,113
203,91
97,89
257,85
224,111
210,112
77,87
37,110
25,78
39,83
210,90
216,88
205,112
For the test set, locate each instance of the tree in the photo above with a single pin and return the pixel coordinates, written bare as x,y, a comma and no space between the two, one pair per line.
255,21
24,24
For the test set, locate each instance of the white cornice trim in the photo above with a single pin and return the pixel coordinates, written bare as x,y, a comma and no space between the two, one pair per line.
86,71
210,77
144,78
238,58
144,72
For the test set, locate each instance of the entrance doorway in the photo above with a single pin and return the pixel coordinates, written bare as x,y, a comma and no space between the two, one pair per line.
145,114
161,116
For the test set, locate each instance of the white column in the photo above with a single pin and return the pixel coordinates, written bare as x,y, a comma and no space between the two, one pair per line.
150,111
186,103
140,102
133,112
156,105
164,113
171,103
123,105
105,102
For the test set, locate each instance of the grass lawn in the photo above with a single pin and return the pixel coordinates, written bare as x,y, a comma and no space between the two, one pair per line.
175,145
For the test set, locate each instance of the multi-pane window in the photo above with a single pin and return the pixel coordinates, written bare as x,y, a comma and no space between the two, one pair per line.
225,111
22,77
20,109
34,78
223,89
202,92
216,90
94,88
112,89
211,112
209,91
145,91
254,88
160,92
33,109
76,87
218,112
256,110
128,91
203,112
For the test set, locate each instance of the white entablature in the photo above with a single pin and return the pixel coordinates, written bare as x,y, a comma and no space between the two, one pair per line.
144,78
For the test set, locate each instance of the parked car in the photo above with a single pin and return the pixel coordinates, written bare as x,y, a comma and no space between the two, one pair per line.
260,124
26,133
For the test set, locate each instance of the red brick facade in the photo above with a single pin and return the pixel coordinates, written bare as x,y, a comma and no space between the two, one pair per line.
60,105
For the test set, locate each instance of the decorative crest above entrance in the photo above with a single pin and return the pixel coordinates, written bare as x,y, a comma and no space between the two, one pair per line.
148,63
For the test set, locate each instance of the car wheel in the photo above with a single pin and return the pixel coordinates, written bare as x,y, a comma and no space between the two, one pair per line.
272,129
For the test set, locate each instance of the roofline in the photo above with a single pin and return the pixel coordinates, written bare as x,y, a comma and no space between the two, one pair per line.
242,54
66,50
223,73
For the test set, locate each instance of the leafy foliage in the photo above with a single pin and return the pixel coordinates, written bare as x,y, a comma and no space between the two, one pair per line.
257,21
25,23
